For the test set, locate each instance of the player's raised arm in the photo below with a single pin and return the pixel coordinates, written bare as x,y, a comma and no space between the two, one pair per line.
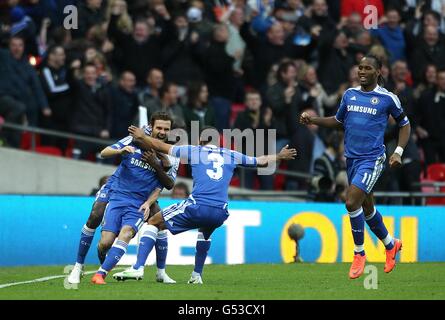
284,154
116,149
327,122
146,142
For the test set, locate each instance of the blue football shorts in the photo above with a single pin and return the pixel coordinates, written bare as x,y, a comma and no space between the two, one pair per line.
364,173
122,212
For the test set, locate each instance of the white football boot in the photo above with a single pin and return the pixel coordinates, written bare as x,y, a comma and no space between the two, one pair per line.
130,273
162,277
76,274
195,279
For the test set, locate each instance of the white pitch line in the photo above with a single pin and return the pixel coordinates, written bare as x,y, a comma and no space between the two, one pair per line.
6,285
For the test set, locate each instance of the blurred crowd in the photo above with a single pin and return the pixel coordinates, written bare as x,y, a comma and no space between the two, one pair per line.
225,63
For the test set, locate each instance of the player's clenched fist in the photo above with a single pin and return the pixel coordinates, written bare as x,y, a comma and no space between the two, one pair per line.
305,118
395,160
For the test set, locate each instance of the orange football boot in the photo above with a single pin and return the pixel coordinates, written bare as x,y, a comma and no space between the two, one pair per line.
391,256
98,279
358,266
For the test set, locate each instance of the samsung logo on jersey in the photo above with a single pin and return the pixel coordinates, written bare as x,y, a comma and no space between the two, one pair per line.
362,109
141,164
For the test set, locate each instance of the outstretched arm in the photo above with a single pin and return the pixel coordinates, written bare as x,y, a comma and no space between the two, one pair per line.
146,142
110,152
327,122
285,154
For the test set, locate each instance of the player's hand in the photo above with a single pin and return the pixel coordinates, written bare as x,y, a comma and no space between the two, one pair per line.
164,160
149,156
395,161
305,119
136,133
127,150
287,154
145,208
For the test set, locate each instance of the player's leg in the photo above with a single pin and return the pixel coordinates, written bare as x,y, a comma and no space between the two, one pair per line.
354,200
212,218
89,229
106,241
116,252
86,238
375,222
203,244
161,247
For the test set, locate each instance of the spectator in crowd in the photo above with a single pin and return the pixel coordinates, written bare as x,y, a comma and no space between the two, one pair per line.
335,61
124,105
125,22
428,80
198,107
91,108
20,84
149,95
416,26
55,84
255,117
91,13
169,103
266,52
391,36
314,94
180,191
284,98
23,26
431,121
138,52
180,56
310,140
218,67
327,170
429,50
236,47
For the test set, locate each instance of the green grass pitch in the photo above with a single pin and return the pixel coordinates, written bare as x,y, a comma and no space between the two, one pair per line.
251,282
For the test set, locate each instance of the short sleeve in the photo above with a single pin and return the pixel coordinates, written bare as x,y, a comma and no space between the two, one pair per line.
122,143
243,160
173,172
341,112
183,152
396,111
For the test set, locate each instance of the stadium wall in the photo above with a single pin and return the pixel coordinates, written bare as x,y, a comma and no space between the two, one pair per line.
44,230
34,173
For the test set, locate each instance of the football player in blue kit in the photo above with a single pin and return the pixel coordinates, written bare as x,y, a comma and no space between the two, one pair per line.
363,114
206,208
138,180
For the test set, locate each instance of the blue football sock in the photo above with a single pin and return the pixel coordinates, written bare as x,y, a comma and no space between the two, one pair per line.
375,223
86,237
358,226
161,249
146,244
114,255
202,247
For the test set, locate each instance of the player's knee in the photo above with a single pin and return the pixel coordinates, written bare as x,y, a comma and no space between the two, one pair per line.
127,233
351,204
104,245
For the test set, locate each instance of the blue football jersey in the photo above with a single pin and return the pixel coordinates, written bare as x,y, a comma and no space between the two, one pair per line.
137,179
212,170
364,116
